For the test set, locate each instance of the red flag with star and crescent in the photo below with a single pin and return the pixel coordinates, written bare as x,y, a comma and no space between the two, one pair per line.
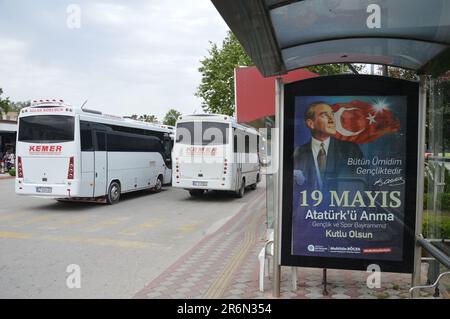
362,122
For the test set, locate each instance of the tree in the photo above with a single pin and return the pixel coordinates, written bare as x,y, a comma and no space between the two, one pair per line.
171,117
217,84
400,73
148,118
17,106
9,106
5,104
332,69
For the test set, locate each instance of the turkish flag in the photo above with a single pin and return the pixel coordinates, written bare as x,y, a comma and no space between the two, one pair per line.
361,122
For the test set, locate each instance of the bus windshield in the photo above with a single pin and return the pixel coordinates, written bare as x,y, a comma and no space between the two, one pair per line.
202,133
46,129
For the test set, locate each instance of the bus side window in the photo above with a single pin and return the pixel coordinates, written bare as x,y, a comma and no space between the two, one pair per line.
86,137
167,147
247,144
101,141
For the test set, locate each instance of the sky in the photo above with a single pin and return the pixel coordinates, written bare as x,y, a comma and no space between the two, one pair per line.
124,57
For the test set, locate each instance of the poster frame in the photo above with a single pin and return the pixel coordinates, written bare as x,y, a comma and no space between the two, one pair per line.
351,85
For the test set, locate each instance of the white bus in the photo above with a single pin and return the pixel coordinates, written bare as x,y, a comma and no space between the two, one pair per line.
214,152
73,154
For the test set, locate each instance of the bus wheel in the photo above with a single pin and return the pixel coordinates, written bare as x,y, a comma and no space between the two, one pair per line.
158,185
196,192
253,186
113,195
240,192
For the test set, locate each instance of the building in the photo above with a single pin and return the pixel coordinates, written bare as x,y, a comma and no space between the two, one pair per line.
8,131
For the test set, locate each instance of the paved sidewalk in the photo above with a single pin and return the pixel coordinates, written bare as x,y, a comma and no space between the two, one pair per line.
225,265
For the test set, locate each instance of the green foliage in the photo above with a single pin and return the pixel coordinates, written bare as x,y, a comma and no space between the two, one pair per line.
171,117
325,69
382,295
439,115
217,84
17,106
436,226
12,172
9,106
400,73
5,104
145,118
333,69
443,199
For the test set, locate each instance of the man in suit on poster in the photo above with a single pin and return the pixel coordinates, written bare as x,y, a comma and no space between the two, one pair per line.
323,161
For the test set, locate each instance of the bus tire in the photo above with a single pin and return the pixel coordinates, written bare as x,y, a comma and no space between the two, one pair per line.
253,186
158,185
241,191
113,195
196,192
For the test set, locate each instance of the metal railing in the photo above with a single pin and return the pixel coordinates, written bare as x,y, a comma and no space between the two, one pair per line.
434,285
438,255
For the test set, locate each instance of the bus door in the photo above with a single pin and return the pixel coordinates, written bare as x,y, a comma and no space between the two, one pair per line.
100,164
237,151
168,145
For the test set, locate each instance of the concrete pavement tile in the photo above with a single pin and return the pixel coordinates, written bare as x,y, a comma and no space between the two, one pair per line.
237,291
339,290
240,286
159,289
233,297
314,296
187,285
367,297
183,290
340,296
313,283
316,290
154,295
289,295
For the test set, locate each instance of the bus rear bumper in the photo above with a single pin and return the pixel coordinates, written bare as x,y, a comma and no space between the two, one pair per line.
219,185
47,190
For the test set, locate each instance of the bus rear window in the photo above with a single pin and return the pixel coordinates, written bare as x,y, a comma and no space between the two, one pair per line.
46,129
202,133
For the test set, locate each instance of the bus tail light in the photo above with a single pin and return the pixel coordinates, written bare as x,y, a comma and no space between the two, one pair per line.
70,173
19,167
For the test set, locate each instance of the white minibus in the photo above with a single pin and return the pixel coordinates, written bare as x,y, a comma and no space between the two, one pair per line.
214,152
77,154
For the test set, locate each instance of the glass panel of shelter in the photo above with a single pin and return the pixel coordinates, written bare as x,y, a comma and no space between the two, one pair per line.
436,221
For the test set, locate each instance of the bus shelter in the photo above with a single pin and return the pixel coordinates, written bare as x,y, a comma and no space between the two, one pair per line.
285,35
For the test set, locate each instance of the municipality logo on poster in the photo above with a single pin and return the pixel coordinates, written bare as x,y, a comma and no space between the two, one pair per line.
316,248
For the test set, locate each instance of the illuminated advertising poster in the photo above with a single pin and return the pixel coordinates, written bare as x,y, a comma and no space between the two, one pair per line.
349,166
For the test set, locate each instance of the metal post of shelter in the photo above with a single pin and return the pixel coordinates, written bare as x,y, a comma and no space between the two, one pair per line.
279,110
420,179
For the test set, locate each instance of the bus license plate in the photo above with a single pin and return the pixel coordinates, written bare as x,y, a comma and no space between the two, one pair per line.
195,183
43,190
